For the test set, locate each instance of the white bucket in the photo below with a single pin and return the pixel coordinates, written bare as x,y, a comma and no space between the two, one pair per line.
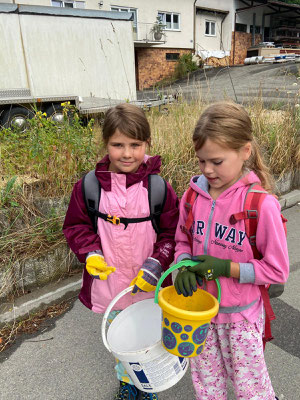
134,338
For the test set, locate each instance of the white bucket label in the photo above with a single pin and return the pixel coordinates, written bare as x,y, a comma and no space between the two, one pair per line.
156,372
140,374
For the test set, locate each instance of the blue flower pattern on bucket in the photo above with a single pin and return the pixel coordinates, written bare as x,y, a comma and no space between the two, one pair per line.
188,328
176,327
200,334
184,336
186,349
169,339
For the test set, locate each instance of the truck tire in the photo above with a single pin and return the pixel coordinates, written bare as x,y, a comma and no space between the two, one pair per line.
16,117
55,113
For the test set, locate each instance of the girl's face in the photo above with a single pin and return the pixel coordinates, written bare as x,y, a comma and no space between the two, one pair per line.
221,165
125,154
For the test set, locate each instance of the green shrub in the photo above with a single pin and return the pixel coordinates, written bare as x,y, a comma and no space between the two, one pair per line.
184,65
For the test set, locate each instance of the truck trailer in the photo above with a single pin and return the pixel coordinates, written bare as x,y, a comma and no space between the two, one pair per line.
52,55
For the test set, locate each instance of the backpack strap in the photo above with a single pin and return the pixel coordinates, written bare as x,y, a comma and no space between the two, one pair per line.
157,195
91,190
252,205
189,202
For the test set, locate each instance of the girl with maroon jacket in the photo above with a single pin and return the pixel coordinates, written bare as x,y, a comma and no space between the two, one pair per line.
116,257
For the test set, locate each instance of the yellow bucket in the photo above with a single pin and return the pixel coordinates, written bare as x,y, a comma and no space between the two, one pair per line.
185,320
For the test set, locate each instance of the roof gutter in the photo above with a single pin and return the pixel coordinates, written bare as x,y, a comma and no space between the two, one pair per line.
194,27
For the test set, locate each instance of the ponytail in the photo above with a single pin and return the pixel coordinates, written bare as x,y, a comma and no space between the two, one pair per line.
257,164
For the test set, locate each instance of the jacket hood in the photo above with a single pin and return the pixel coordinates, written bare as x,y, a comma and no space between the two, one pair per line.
150,165
200,184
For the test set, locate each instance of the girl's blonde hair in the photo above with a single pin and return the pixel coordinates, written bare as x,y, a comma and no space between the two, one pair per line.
229,125
129,120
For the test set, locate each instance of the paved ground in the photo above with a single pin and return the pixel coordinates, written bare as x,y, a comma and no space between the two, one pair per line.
67,360
275,84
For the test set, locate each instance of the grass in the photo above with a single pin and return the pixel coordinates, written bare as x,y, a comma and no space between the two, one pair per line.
47,160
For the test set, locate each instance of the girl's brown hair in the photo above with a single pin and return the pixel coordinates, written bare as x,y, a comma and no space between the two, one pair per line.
229,124
129,120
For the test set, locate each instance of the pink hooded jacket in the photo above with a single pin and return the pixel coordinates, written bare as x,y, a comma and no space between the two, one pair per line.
123,195
214,235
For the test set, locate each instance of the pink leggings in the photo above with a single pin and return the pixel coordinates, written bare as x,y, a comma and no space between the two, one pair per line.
232,351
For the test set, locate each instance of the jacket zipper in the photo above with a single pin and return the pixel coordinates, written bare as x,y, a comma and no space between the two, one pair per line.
209,226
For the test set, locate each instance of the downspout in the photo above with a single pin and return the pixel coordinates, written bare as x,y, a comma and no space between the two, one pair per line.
194,27
233,55
221,33
253,29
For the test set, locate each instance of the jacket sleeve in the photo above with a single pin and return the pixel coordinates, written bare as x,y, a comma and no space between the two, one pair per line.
164,247
271,242
183,248
78,228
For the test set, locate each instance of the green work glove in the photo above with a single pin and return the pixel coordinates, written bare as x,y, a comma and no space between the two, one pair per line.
186,282
210,267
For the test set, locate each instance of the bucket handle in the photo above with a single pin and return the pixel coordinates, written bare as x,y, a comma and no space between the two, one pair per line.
183,263
108,310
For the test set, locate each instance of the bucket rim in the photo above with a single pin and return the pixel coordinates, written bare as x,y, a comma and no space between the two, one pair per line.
188,315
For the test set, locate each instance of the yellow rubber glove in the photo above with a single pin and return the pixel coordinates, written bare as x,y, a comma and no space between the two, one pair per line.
97,267
141,285
147,278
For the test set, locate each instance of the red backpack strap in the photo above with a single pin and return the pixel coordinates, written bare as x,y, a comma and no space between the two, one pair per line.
269,314
189,202
252,205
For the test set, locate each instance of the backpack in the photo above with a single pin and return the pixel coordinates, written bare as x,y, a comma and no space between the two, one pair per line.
252,205
157,194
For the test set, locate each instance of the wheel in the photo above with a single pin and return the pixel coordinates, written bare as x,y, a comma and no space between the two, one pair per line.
55,113
17,118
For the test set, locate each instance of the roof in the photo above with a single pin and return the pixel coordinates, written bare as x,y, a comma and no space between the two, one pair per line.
212,10
64,12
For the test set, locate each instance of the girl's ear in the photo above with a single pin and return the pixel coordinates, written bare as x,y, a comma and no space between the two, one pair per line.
247,149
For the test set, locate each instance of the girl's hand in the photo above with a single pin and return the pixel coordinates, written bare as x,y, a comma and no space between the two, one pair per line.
147,278
210,267
186,282
97,267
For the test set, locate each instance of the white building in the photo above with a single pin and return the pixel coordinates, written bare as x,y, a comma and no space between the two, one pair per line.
220,31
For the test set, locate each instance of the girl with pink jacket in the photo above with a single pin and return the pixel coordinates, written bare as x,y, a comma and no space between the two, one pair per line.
230,162
117,255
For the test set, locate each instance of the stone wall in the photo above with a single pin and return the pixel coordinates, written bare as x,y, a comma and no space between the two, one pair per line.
152,66
240,43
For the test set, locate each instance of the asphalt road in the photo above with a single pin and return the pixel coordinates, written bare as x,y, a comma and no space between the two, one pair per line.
275,85
68,361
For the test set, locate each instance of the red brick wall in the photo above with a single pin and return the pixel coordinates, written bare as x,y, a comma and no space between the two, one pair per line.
152,66
240,43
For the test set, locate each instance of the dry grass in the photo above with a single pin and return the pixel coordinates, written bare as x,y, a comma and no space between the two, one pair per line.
31,325
276,132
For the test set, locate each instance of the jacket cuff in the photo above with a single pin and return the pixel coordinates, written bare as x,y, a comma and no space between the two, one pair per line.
93,253
247,273
182,256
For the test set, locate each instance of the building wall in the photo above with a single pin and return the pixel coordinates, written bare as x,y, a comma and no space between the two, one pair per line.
241,41
152,66
222,39
147,13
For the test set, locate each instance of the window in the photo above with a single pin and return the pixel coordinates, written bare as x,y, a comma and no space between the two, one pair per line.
172,56
130,10
210,28
257,29
170,20
241,27
68,4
